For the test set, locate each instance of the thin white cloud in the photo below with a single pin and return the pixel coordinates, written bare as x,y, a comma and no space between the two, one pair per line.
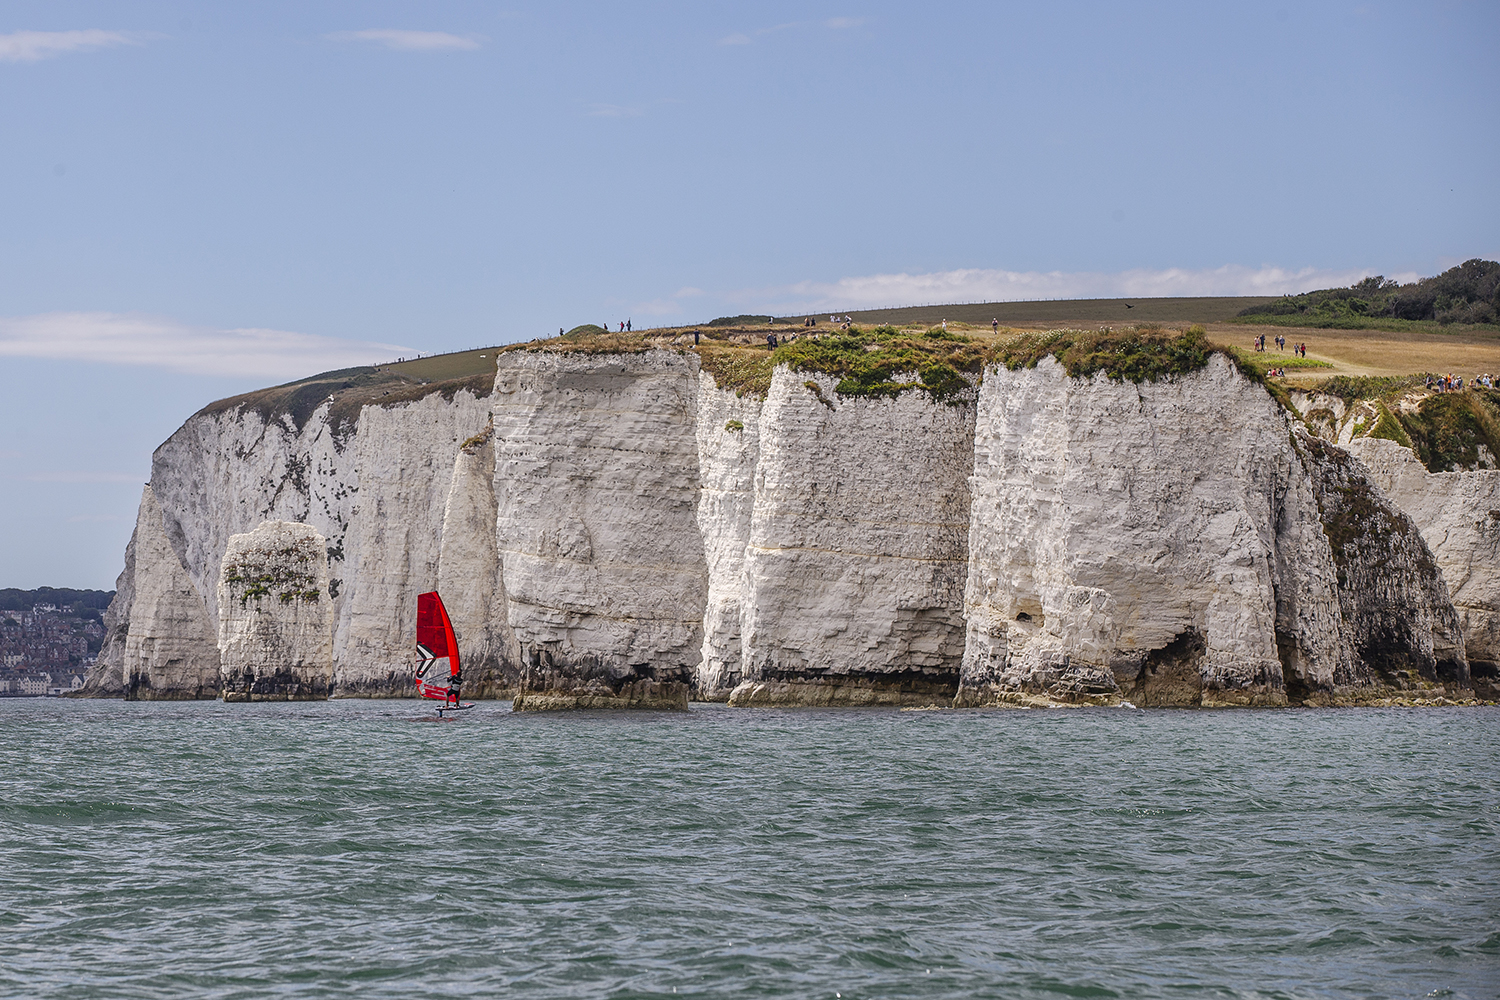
836,23
132,339
671,305
33,46
85,477
614,111
878,291
411,41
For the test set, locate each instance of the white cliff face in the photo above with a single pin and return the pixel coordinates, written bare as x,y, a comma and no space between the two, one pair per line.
1130,539
1459,517
470,577
169,650
405,458
596,488
616,530
1402,625
275,618
375,490
855,566
224,472
106,678
728,454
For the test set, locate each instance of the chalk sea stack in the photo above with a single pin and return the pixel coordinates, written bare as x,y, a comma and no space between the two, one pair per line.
275,617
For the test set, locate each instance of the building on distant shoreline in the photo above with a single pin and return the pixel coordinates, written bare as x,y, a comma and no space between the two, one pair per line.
46,649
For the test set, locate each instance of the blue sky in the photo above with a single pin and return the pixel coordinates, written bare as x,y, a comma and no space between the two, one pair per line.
200,199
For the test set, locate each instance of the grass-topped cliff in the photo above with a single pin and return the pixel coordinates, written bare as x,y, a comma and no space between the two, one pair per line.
348,390
885,360
944,360
1447,431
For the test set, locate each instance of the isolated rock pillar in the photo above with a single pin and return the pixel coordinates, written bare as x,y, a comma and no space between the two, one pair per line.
275,615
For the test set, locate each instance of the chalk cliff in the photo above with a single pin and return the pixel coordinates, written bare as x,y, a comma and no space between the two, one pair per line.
596,491
168,651
275,616
854,568
402,458
471,578
1459,516
106,678
1124,539
728,433
618,530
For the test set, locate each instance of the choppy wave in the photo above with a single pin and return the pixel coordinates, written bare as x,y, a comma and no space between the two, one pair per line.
346,849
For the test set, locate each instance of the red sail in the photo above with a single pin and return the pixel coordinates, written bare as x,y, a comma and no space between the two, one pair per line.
435,642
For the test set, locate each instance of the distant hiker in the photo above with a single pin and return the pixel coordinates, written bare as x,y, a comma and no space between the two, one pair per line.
695,338
770,341
995,325
945,326
559,331
627,326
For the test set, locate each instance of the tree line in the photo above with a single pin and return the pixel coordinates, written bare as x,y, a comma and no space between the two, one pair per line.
1468,294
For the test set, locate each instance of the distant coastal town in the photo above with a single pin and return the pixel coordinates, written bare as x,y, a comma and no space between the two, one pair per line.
49,637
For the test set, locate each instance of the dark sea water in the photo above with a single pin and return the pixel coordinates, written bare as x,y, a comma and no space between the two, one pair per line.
349,849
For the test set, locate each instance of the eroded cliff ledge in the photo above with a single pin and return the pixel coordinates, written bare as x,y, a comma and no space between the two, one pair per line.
634,528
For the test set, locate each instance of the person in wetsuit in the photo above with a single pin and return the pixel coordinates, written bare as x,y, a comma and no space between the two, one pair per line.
453,683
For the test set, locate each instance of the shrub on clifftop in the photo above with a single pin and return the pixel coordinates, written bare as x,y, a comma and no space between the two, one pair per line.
1130,355
885,361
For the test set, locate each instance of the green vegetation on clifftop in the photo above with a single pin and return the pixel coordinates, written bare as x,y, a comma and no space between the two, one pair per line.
872,363
884,362
349,390
1448,429
1137,355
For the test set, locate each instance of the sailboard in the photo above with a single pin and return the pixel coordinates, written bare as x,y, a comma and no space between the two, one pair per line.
438,673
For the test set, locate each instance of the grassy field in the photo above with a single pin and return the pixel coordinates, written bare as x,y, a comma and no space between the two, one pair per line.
1075,313
441,367
1369,352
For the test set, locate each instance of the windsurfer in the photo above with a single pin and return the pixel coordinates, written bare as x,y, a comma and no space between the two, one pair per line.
436,641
